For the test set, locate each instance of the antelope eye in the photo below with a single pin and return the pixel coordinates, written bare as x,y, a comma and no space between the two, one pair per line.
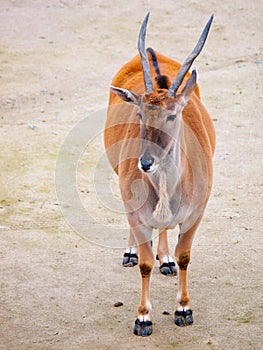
171,117
139,115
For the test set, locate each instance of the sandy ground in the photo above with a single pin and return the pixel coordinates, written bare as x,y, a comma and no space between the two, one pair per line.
59,282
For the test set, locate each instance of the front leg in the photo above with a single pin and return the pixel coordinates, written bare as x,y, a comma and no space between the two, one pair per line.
143,324
183,314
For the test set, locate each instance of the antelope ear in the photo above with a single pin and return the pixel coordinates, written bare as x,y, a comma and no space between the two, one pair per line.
126,95
189,87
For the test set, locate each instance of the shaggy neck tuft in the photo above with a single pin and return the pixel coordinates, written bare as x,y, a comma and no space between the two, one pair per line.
162,211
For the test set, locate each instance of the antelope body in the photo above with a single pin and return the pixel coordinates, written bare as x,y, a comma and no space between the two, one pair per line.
160,142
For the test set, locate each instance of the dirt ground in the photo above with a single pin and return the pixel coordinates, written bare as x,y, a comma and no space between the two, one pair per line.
61,276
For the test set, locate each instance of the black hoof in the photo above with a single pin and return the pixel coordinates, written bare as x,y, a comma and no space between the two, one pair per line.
183,318
168,269
130,260
142,328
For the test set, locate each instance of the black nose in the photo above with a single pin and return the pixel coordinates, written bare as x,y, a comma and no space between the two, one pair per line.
146,164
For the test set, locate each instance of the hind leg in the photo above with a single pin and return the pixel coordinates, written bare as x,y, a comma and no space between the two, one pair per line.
167,265
130,257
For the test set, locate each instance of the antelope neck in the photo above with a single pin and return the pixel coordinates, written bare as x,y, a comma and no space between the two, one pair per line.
172,166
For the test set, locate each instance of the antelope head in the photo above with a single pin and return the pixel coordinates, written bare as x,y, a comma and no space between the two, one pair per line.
160,111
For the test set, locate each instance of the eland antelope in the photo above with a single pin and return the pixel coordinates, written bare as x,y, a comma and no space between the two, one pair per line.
160,140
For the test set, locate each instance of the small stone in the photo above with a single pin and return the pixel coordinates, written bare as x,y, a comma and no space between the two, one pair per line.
118,304
166,313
